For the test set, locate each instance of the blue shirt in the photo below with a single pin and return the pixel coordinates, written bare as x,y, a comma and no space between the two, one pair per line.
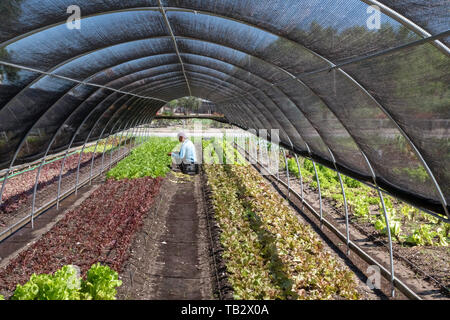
187,153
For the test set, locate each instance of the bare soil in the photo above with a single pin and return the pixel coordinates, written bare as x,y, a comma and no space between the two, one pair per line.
170,257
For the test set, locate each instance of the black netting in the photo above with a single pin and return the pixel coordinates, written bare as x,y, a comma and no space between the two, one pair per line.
430,15
413,87
264,64
335,29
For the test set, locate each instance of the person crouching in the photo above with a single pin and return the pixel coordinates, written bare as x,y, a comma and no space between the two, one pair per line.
186,159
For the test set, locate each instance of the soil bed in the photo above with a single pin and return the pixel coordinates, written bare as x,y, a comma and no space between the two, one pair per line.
170,257
434,261
98,230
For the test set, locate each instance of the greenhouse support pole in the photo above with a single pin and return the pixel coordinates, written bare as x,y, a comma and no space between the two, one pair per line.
120,134
114,137
127,136
93,159
33,203
278,167
107,140
135,132
67,152
93,156
78,167
318,186
120,144
137,135
137,139
146,136
391,255
140,140
388,228
81,154
258,145
104,149
138,131
123,139
287,173
269,167
5,179
38,174
258,153
71,142
287,165
58,194
320,194
301,179
61,172
144,132
134,129
345,201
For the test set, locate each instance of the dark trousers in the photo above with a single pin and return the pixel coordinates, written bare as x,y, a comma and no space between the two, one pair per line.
189,168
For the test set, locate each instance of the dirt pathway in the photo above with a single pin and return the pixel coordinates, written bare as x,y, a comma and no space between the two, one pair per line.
170,257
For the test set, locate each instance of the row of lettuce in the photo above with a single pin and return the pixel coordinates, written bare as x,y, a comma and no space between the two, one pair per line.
100,283
268,252
19,188
84,235
409,226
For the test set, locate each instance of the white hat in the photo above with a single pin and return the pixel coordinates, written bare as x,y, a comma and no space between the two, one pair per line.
182,134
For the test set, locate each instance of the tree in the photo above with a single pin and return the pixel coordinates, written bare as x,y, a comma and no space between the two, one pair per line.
190,104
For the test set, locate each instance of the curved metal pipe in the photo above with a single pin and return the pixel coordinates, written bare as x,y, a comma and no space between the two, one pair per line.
391,254
345,203
318,186
70,144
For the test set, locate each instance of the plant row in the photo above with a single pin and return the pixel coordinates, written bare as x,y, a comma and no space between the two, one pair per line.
148,160
18,189
408,225
220,151
99,230
268,252
66,284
